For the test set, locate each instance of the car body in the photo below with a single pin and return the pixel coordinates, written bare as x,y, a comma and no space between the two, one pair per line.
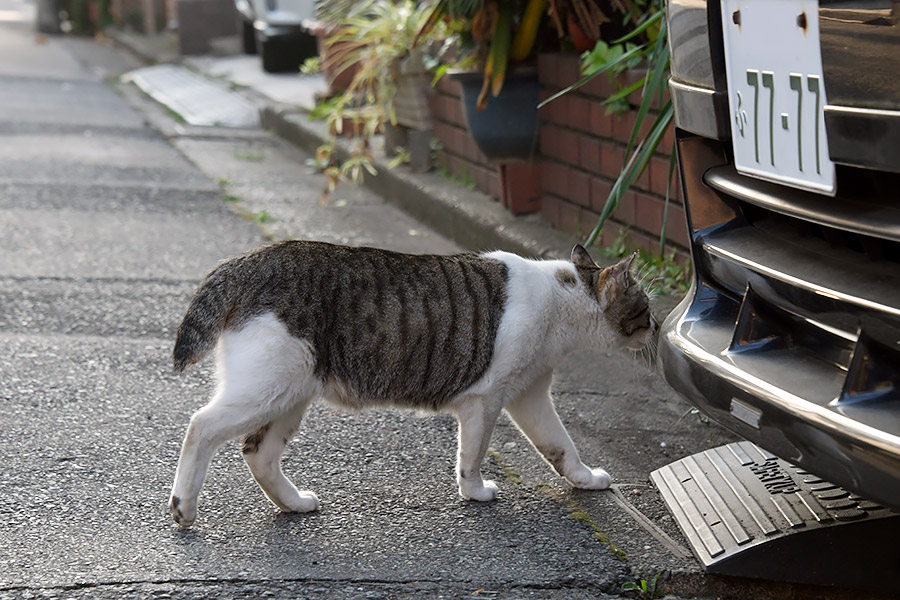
790,334
275,29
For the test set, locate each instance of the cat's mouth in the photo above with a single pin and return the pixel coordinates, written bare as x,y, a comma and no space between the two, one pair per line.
640,335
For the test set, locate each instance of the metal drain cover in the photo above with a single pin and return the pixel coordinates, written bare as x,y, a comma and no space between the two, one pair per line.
743,510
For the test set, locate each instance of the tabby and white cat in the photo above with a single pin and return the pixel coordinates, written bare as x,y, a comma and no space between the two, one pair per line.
472,334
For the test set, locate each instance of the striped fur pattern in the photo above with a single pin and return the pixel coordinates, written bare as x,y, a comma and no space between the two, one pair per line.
407,329
470,334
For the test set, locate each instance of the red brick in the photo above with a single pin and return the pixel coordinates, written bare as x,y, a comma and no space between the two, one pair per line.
547,69
600,189
589,153
600,123
648,213
470,149
676,226
521,187
647,244
569,217
623,127
559,110
599,86
494,187
554,178
667,143
544,111
612,159
625,213
579,188
453,111
568,69
643,182
567,148
659,175
611,232
559,144
550,141
447,86
622,124
550,209
447,134
579,113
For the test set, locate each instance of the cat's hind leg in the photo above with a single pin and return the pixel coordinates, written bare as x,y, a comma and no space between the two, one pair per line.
534,414
262,451
261,371
476,422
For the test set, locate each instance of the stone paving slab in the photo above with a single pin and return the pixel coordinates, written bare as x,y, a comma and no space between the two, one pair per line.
193,97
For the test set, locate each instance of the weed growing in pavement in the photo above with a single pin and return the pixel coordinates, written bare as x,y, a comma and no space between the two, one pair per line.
509,473
576,513
222,182
660,274
463,179
249,155
644,588
263,217
231,198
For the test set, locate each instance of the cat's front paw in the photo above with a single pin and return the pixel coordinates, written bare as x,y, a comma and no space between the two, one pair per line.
303,503
592,479
183,512
485,492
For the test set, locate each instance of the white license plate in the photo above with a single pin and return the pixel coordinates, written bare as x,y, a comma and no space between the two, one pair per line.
777,92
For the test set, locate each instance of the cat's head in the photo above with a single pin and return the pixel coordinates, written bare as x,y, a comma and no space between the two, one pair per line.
625,304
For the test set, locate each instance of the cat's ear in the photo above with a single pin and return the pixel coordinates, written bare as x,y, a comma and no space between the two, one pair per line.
581,258
619,271
614,281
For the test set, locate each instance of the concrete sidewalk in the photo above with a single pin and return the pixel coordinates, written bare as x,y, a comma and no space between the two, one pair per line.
469,217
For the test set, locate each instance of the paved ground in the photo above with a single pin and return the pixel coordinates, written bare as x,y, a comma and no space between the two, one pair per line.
106,226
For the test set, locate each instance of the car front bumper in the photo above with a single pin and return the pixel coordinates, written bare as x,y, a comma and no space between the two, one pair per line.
790,336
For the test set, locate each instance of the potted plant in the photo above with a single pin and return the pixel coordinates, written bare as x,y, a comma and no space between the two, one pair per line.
375,38
496,39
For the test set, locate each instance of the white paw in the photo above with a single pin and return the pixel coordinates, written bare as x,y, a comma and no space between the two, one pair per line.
304,502
183,511
594,479
486,492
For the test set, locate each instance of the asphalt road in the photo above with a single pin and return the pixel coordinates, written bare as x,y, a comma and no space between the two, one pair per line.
105,228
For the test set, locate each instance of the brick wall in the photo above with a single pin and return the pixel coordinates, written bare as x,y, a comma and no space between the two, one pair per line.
459,154
582,152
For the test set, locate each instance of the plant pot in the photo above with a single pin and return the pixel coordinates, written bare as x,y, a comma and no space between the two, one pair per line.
506,131
337,81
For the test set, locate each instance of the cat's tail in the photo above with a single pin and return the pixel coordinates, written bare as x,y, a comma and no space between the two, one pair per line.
206,316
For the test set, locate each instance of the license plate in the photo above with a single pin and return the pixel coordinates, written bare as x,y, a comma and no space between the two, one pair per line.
777,92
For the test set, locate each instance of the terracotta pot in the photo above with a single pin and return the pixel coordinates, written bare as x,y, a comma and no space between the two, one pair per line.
337,82
580,39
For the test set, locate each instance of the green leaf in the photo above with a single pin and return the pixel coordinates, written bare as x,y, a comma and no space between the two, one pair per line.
634,167
621,59
654,84
654,18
